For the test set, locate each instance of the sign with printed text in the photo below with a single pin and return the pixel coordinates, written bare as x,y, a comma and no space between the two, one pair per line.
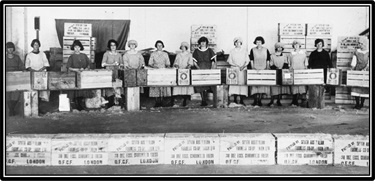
347,43
292,29
136,149
299,149
352,150
77,29
80,149
28,150
247,149
319,29
192,149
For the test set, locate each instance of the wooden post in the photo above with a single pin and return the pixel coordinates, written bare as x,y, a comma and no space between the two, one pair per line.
132,98
30,103
221,96
316,96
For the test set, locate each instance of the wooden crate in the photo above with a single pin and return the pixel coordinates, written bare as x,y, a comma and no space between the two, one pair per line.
61,80
129,77
288,41
231,76
291,29
183,77
39,80
161,77
136,149
206,77
261,77
99,78
77,29
310,43
247,149
79,149
351,150
287,77
345,55
308,77
18,81
314,29
30,104
192,148
347,43
142,77
334,76
28,149
342,96
301,149
358,78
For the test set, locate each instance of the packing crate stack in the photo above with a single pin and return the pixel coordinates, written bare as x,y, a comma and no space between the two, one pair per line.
208,31
346,45
288,32
83,33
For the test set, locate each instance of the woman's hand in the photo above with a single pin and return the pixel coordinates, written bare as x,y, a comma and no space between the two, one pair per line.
242,68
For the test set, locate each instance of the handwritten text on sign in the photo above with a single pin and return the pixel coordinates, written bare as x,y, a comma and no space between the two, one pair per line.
77,29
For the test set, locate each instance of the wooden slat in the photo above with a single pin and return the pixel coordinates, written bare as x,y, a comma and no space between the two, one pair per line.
344,55
206,77
261,82
261,77
183,77
358,78
18,81
301,77
206,82
205,71
94,79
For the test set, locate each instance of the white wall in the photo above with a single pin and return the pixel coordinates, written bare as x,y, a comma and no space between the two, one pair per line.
172,25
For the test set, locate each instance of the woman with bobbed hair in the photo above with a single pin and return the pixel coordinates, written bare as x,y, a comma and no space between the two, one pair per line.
204,58
158,60
37,61
259,60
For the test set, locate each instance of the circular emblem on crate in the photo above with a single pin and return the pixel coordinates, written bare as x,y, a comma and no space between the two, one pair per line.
232,75
332,75
183,76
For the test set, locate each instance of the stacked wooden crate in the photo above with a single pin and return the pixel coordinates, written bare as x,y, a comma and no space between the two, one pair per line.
346,45
288,32
208,31
81,32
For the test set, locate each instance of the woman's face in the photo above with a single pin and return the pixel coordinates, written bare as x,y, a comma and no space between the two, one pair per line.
203,44
10,50
183,48
362,46
238,44
77,48
258,43
159,46
132,46
319,45
279,49
296,46
113,46
36,46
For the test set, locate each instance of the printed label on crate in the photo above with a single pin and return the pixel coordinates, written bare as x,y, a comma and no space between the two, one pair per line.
319,29
247,149
333,76
347,43
208,31
28,149
136,149
77,29
352,150
292,29
311,149
80,149
193,149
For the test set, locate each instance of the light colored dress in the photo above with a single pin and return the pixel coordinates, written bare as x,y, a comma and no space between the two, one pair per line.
298,61
111,58
238,58
134,60
159,59
359,62
260,57
38,61
183,60
278,61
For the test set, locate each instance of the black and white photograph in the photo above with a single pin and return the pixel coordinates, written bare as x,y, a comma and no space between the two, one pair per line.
187,90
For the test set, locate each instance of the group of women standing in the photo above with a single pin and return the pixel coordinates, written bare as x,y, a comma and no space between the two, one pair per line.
202,58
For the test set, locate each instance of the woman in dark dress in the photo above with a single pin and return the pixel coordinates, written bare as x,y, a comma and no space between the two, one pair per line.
204,58
320,59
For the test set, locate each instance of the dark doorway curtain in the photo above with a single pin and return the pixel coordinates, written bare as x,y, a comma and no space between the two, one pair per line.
103,30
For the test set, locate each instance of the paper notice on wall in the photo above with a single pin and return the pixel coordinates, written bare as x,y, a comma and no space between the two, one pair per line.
77,29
